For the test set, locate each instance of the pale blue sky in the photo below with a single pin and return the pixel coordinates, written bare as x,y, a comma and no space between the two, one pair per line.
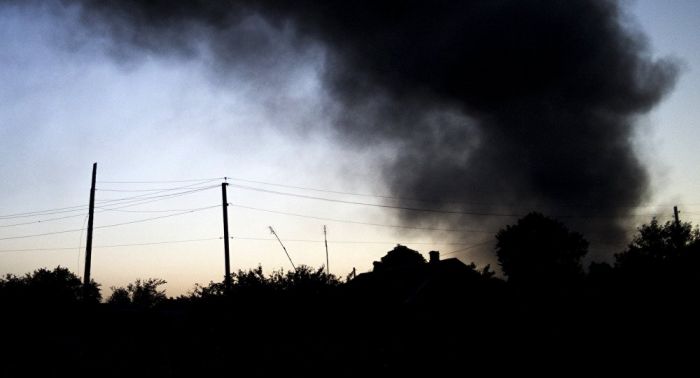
673,133
66,103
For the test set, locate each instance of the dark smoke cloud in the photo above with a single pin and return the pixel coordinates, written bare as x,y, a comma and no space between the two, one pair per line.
495,106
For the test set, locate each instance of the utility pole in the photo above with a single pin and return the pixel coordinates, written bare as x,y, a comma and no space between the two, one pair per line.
676,231
325,240
88,244
224,206
283,247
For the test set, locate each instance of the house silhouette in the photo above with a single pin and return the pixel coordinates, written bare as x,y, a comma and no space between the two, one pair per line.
404,276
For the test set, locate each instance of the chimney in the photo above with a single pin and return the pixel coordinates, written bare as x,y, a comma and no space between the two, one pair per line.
434,257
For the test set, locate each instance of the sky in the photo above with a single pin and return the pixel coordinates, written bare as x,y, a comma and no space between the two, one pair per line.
163,124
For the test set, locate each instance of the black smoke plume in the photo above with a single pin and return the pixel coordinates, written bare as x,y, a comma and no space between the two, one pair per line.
496,107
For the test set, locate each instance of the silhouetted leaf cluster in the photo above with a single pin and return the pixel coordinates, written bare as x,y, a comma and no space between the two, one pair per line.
540,251
57,287
140,294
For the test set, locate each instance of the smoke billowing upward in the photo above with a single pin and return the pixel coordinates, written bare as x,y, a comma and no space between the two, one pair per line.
493,106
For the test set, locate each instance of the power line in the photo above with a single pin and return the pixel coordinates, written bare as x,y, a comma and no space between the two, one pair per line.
80,241
357,222
219,238
158,243
153,195
153,189
42,234
467,248
133,190
103,209
109,225
111,245
386,196
373,204
137,198
143,201
340,241
160,217
441,211
40,221
45,212
145,211
161,181
336,191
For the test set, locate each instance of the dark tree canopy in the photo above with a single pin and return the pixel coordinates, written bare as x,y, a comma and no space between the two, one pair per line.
47,287
303,280
670,250
657,242
141,293
540,250
400,256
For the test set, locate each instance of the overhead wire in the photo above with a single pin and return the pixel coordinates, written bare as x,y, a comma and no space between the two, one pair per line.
101,209
151,192
109,225
371,204
161,181
190,189
233,238
42,234
156,194
133,190
80,241
337,191
467,248
195,185
159,217
340,241
407,199
358,222
430,210
147,200
41,221
59,210
70,209
110,245
119,209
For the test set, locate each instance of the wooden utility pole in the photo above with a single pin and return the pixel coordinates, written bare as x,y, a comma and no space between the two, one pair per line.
272,230
325,240
88,244
676,231
224,206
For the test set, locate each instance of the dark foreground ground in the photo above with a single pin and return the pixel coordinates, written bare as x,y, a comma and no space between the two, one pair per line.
349,335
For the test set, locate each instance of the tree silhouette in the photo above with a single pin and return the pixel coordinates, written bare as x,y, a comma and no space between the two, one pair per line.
253,283
303,279
47,287
540,251
120,297
141,294
661,252
400,256
656,243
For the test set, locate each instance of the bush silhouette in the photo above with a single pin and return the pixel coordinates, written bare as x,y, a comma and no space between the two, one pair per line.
141,294
58,287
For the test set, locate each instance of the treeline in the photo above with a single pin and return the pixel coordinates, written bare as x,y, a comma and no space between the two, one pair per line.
548,312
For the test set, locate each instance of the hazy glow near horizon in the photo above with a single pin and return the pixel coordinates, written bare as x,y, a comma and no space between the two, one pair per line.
66,103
